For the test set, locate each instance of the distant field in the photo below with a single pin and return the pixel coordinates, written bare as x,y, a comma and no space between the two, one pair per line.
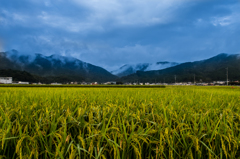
172,122
84,86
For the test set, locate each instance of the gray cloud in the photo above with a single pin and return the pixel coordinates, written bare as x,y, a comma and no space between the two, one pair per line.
1,46
112,33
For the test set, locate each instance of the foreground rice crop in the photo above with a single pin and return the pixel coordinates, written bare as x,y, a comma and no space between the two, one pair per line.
172,122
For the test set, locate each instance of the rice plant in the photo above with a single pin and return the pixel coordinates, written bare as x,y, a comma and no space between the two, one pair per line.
171,122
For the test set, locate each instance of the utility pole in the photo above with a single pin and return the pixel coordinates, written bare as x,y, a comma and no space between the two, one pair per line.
227,75
194,79
175,79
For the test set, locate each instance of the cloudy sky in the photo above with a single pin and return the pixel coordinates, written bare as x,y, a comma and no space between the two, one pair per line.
110,33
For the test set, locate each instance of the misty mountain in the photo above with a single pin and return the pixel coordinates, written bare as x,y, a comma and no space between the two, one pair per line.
212,69
54,66
131,69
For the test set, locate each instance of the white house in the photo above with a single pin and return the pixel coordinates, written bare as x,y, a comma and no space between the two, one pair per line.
56,83
6,80
21,82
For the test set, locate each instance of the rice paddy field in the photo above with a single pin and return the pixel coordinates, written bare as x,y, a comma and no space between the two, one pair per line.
148,123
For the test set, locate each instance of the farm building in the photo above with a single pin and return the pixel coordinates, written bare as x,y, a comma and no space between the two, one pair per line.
6,80
21,82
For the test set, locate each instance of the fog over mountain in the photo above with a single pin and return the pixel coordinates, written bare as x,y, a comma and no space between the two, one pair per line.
130,69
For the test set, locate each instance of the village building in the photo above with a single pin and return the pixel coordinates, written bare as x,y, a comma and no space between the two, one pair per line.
5,80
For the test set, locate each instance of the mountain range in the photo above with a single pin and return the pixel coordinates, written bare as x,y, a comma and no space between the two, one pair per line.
57,68
69,68
212,69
